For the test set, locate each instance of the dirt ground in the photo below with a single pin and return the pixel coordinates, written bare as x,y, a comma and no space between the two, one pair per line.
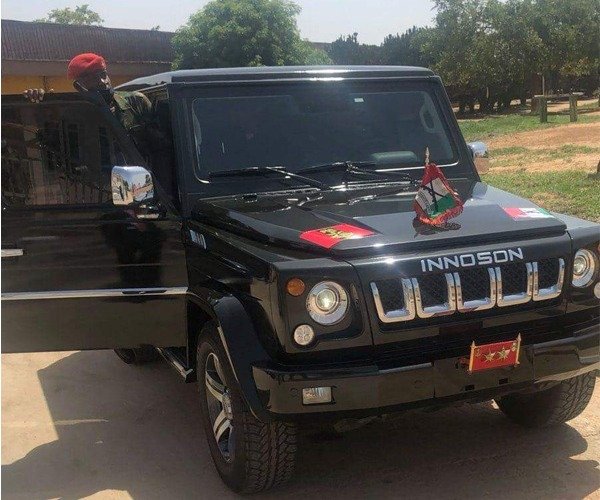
85,425
575,146
580,134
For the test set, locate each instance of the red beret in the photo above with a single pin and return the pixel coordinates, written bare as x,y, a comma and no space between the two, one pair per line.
85,63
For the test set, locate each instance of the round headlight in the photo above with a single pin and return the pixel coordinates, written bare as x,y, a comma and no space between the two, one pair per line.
327,302
585,264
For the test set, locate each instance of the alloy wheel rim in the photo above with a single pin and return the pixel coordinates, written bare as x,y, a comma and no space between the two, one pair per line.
220,409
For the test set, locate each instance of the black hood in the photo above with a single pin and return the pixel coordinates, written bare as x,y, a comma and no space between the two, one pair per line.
386,212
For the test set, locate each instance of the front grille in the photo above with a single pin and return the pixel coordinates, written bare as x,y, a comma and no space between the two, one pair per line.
548,270
514,278
475,284
467,290
433,290
392,297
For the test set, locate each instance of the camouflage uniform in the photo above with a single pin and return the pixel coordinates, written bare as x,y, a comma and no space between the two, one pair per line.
134,112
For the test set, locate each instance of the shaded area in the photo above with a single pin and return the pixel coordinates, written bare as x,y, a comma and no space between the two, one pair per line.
138,430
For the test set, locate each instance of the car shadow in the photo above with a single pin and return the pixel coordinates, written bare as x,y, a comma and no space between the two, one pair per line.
137,430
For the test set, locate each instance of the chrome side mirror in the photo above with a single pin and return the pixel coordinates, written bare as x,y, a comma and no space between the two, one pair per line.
481,156
131,185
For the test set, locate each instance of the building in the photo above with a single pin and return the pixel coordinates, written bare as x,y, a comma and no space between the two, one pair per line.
35,55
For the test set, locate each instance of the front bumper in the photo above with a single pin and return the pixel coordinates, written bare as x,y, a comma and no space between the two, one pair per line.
369,389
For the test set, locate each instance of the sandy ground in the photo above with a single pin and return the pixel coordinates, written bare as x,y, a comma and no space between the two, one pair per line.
85,425
543,144
580,134
564,105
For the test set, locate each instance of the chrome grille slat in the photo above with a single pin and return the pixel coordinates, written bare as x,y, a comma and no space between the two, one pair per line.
480,304
406,313
552,291
443,308
440,294
513,299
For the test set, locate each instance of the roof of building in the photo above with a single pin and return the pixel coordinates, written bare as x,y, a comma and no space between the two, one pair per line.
33,41
273,72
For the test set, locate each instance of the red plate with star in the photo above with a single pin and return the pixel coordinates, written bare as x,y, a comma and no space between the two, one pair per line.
499,354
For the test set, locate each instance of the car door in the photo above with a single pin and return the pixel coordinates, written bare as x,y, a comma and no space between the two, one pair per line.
79,272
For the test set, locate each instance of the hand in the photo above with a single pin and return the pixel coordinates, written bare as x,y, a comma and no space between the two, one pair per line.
34,95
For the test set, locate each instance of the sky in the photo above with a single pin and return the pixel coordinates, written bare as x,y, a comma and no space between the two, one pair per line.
320,20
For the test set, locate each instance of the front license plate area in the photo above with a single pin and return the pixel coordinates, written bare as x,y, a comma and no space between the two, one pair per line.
495,355
452,375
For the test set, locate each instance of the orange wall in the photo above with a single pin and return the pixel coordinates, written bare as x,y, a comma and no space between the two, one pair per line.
16,84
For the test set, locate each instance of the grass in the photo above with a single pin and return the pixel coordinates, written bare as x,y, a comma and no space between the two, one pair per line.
589,105
519,156
492,126
570,192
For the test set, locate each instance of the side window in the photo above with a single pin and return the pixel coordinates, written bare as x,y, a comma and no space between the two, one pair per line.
56,153
162,158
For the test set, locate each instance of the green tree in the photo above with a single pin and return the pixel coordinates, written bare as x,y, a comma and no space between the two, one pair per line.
459,29
348,50
492,50
512,50
407,48
82,14
229,33
570,33
307,54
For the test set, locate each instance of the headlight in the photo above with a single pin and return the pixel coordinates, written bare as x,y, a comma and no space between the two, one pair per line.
327,303
585,264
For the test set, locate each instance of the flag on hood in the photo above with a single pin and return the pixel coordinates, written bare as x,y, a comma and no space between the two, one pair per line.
436,201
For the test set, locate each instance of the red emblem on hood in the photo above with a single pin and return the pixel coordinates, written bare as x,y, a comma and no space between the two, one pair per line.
327,237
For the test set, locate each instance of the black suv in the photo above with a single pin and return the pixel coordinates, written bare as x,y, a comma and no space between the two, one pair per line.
269,250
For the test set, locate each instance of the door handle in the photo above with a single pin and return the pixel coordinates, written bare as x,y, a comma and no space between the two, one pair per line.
150,212
11,252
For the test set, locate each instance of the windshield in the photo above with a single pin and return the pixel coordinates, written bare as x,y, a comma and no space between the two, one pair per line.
298,126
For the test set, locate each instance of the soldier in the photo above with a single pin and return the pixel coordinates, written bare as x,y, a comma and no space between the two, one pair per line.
132,109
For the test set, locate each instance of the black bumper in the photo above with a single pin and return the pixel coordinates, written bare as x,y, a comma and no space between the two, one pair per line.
367,389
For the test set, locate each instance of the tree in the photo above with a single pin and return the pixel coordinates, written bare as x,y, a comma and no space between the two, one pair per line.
81,15
491,50
347,50
229,33
569,33
406,49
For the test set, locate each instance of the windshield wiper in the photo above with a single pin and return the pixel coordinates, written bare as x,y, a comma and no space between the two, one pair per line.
240,172
358,168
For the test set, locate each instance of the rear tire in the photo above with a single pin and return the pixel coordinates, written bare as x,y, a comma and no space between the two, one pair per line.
552,406
138,355
249,455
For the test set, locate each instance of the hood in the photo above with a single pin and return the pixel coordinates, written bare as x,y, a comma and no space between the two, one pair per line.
376,219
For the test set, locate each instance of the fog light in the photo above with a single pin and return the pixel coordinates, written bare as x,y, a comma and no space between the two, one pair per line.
597,290
316,395
304,335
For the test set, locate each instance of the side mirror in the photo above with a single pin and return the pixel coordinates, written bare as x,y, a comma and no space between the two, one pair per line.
481,156
131,185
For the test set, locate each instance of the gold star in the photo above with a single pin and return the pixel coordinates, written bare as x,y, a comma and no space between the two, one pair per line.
503,354
490,356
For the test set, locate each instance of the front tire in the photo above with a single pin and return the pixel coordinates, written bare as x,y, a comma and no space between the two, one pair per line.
552,406
250,455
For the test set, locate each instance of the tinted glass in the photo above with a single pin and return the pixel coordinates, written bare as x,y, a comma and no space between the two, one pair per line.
300,127
56,154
